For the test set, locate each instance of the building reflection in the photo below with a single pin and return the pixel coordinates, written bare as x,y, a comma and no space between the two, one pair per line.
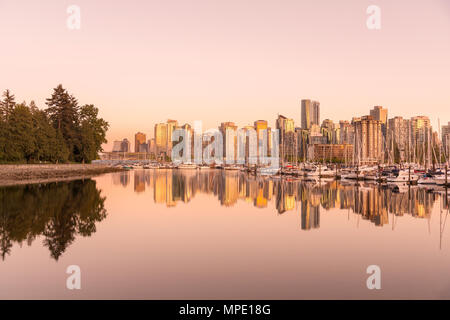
373,203
121,178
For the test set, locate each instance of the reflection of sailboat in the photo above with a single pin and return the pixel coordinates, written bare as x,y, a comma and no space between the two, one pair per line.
445,202
268,171
232,167
400,187
441,180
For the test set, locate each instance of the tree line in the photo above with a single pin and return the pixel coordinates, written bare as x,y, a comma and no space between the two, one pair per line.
62,132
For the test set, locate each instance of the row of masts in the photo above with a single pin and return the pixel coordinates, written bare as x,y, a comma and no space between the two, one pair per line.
420,152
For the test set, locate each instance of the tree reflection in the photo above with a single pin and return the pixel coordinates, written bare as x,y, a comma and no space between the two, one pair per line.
57,211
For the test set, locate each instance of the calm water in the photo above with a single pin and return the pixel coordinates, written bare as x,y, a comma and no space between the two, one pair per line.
221,234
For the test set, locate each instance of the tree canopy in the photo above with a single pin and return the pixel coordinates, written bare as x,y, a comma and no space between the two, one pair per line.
62,132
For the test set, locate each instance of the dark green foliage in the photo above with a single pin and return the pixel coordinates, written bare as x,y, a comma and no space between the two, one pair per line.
20,141
93,132
63,132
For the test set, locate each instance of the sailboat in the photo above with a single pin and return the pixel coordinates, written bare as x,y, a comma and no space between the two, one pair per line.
402,175
187,165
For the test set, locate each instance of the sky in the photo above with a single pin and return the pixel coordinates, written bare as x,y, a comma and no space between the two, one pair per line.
143,62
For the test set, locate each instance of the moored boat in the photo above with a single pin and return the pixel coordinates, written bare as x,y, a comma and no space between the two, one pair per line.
402,176
187,165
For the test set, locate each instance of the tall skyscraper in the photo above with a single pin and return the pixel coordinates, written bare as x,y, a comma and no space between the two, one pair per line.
310,113
368,140
125,145
286,133
189,134
419,127
229,136
381,114
121,146
144,148
398,137
346,131
260,126
117,146
328,130
250,141
421,140
139,138
171,125
152,146
161,138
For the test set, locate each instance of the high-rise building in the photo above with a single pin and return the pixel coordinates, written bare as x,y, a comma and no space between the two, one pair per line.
302,138
329,131
310,113
139,138
248,134
171,125
381,114
398,137
346,132
331,152
152,146
144,148
261,127
421,140
286,133
189,134
121,146
420,126
117,146
368,140
161,138
125,146
229,136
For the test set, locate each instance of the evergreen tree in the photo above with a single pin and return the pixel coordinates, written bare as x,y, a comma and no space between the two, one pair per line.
21,142
63,113
93,132
2,140
7,104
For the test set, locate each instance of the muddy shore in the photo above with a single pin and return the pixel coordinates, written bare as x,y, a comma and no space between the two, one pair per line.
43,173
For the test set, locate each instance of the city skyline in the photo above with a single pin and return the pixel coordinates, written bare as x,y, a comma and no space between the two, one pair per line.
329,132
170,60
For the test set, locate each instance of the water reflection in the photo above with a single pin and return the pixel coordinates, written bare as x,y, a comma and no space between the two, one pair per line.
374,203
57,211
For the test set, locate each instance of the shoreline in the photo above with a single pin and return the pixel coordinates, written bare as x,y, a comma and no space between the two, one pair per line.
19,174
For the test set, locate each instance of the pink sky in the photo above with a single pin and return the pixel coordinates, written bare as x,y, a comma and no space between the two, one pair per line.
142,62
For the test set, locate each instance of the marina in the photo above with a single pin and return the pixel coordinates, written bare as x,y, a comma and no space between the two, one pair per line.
390,174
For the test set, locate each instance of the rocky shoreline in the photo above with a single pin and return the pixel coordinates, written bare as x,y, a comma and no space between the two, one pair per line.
43,173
